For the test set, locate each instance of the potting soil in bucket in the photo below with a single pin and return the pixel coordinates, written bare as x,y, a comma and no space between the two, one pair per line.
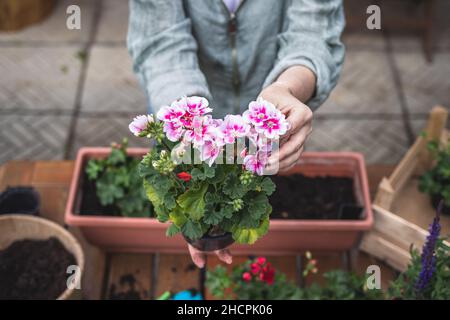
301,197
34,269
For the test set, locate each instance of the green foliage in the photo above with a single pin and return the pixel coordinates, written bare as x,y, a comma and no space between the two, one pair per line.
436,181
222,284
118,183
339,285
438,289
215,197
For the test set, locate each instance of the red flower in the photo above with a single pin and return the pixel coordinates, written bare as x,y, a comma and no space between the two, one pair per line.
186,177
255,268
261,260
267,274
246,276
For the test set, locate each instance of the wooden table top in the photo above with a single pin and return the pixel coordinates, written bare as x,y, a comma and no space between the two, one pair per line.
118,275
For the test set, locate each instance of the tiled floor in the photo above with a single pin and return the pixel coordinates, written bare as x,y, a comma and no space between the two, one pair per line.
63,89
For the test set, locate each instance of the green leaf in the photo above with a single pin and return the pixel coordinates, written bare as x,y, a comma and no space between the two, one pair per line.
172,230
117,156
250,235
193,202
233,188
197,174
213,217
178,217
192,230
107,191
268,186
93,169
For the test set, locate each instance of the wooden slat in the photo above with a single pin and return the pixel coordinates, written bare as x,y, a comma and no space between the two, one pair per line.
130,277
376,173
16,173
176,273
52,172
393,255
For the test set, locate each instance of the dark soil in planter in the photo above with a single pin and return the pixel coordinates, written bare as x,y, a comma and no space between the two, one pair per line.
34,269
129,289
90,204
301,197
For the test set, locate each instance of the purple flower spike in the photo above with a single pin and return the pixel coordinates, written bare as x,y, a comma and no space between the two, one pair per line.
428,257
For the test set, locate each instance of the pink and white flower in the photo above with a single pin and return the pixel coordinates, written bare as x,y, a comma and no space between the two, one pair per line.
266,119
200,130
255,163
210,151
234,127
195,106
258,111
140,123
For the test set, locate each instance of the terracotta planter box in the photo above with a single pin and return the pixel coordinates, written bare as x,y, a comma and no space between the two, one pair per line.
284,236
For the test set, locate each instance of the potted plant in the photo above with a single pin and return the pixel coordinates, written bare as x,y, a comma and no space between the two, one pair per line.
210,201
237,188
113,184
436,181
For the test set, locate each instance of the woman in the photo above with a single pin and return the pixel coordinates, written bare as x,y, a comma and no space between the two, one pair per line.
232,51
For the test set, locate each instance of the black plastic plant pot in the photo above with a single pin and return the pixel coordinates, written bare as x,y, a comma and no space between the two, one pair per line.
20,200
435,200
211,243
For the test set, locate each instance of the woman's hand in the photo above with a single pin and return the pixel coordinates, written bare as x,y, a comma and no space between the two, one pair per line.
198,257
299,116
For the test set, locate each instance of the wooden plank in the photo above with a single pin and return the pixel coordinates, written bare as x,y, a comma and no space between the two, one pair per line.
395,256
52,172
375,174
420,211
325,262
16,173
130,277
175,273
94,268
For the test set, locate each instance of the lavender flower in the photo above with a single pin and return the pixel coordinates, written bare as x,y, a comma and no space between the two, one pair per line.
428,257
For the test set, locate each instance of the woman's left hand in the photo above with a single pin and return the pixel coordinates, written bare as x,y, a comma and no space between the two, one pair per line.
299,116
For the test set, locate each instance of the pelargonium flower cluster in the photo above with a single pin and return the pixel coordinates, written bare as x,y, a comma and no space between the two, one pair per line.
260,269
188,120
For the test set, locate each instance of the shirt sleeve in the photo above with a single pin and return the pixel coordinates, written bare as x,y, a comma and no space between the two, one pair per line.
311,38
164,51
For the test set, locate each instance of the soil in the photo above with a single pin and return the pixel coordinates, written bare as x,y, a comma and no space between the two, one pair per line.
129,289
301,197
90,204
34,269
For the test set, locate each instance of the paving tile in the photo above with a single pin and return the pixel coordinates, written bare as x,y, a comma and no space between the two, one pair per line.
425,84
24,137
54,29
418,124
364,39
366,86
110,83
101,131
36,79
114,22
381,141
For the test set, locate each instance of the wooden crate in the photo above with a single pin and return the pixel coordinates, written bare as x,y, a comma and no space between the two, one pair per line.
401,212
